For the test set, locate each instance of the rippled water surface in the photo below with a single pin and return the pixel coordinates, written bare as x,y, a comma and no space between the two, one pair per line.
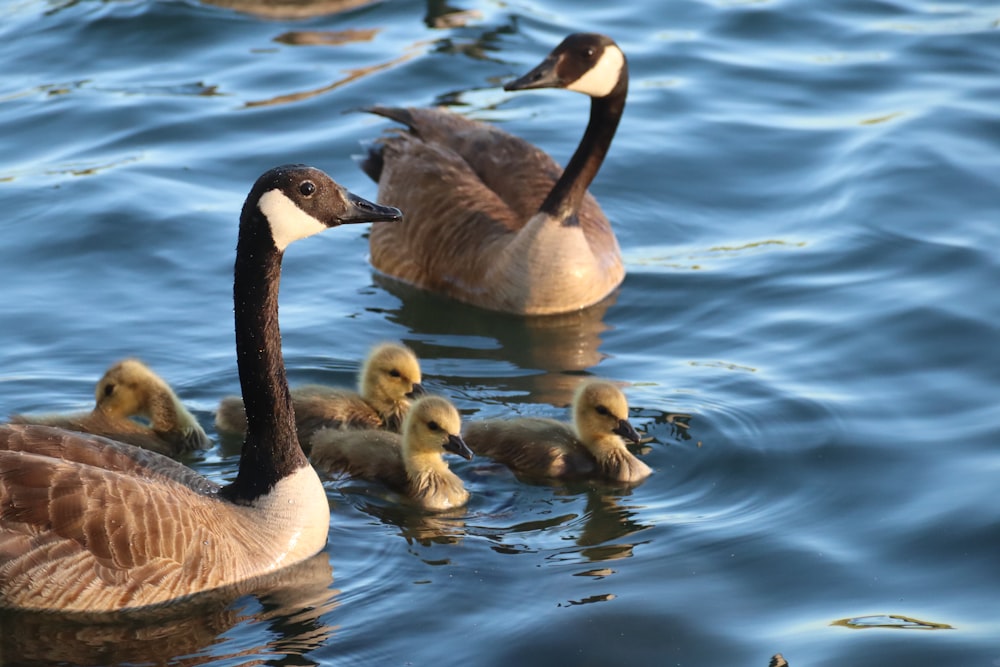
807,196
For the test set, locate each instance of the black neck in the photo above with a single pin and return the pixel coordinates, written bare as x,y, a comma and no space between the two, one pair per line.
565,197
271,449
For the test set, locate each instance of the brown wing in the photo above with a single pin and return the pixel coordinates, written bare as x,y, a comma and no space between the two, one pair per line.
366,454
529,446
168,443
519,173
465,187
84,518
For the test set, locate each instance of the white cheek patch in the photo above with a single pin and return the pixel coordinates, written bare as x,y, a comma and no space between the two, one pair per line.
602,78
288,222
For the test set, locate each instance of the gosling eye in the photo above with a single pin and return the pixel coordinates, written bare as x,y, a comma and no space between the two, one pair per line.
433,425
109,389
395,373
601,410
307,188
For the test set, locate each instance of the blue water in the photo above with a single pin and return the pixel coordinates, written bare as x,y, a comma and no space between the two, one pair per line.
807,196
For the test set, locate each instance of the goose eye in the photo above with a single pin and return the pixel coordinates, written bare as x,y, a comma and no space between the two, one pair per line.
307,188
394,373
109,389
432,425
588,52
601,410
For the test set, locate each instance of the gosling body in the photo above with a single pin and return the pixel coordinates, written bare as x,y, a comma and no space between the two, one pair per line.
129,389
592,447
390,377
411,464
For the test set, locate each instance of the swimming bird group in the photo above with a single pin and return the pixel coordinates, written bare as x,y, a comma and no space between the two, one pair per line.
95,515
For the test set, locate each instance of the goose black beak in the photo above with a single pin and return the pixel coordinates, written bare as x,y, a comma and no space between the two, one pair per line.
456,445
360,209
543,76
625,430
417,391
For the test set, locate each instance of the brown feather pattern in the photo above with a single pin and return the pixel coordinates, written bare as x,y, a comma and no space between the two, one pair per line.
81,517
493,221
469,191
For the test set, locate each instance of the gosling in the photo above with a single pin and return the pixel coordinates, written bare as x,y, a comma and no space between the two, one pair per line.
389,378
127,390
412,464
593,447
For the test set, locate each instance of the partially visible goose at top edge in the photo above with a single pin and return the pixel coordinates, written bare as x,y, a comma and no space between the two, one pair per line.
89,524
130,389
492,220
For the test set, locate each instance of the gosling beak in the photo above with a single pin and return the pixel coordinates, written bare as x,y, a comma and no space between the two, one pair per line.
360,209
625,430
543,76
417,391
456,445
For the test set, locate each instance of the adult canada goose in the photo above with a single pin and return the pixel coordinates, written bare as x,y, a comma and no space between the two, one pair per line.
129,389
89,524
492,220
411,464
389,378
593,447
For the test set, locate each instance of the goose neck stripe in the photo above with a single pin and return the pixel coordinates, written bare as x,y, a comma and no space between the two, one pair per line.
288,222
602,78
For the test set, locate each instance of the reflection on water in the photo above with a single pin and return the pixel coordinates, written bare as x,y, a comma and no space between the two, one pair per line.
289,604
550,353
289,9
595,532
441,15
331,38
418,526
325,37
891,621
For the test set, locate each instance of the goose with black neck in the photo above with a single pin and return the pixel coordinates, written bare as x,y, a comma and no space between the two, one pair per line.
90,524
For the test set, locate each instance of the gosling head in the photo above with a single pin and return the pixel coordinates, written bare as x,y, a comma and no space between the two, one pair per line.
600,410
391,375
129,388
433,427
588,63
297,201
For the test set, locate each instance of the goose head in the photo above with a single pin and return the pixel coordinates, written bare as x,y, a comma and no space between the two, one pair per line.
600,413
433,427
390,376
588,63
297,201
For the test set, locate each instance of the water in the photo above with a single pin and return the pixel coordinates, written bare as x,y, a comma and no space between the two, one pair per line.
806,195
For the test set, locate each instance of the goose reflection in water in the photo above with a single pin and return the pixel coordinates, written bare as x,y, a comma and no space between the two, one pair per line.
291,604
549,353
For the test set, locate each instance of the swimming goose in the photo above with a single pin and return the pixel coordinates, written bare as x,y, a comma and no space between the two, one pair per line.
492,220
411,464
89,524
593,447
389,378
129,389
